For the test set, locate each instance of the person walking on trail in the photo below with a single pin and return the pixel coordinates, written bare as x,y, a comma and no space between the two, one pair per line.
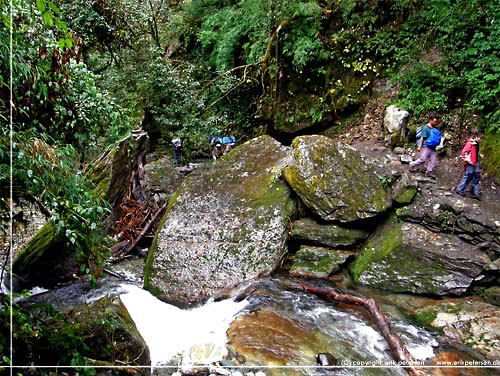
471,155
430,138
217,151
177,144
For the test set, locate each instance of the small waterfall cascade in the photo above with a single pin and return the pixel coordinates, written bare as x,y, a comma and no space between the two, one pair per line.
169,330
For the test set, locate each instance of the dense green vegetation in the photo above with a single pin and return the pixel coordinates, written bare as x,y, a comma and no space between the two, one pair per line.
59,116
85,71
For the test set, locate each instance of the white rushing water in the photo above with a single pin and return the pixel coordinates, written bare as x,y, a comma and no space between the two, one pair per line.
169,330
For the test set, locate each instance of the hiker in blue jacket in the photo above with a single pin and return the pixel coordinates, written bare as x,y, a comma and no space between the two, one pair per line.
429,140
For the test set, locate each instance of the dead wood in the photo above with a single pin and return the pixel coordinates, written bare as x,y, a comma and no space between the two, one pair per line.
400,351
132,244
137,214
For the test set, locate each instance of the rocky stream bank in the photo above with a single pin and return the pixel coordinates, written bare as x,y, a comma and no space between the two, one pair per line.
350,216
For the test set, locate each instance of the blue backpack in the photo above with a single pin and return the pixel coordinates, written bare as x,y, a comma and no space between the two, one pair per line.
434,138
228,140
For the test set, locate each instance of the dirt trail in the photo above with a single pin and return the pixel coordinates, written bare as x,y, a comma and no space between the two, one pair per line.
367,137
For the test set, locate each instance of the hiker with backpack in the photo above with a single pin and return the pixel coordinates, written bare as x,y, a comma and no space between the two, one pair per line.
177,144
471,155
429,139
217,150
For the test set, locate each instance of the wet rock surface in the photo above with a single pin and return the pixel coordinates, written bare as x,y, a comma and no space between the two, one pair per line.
470,321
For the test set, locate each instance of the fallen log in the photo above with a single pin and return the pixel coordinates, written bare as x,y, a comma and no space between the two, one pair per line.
403,356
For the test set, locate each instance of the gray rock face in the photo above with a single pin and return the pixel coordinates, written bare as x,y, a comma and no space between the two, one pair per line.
230,221
335,181
327,234
161,179
454,214
406,257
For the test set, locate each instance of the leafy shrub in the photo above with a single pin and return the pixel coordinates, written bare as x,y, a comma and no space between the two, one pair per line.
57,109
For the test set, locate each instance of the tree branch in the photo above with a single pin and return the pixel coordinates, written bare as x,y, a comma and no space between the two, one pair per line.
400,351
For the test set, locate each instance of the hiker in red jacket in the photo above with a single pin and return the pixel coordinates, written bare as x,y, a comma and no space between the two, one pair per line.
471,155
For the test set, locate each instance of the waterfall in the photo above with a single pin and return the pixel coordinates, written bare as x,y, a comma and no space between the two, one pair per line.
169,330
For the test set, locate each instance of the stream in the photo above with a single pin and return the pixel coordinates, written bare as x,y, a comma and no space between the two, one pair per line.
281,331
269,325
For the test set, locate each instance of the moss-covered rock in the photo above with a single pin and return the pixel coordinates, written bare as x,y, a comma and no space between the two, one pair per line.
473,222
44,260
326,234
404,257
102,331
318,262
492,295
491,161
470,321
335,181
404,190
223,225
161,179
309,98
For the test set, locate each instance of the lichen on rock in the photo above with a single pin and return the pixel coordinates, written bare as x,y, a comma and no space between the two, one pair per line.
224,225
318,262
406,257
335,181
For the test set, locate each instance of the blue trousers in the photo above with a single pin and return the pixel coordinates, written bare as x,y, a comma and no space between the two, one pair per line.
472,174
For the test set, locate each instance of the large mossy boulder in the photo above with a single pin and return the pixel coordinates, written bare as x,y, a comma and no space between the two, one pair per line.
470,321
44,260
335,181
224,225
326,234
406,257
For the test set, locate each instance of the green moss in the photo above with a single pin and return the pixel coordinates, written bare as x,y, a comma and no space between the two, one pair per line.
425,317
102,187
377,248
36,247
316,260
406,196
492,295
278,192
397,139
491,162
148,265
